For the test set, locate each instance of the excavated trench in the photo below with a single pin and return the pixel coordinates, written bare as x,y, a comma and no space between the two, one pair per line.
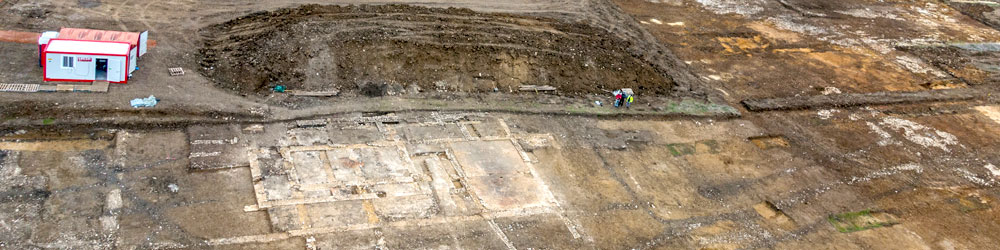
385,49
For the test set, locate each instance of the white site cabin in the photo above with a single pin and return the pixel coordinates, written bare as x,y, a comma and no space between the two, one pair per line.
86,61
81,55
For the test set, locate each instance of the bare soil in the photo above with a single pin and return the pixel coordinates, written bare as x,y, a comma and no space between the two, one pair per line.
979,11
844,123
974,64
377,50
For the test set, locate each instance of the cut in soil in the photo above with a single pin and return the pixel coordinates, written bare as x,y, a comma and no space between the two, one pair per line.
367,49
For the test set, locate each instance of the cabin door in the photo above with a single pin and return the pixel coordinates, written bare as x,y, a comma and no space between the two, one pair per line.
101,69
115,73
143,42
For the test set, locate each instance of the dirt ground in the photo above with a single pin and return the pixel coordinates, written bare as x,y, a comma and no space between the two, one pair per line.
782,124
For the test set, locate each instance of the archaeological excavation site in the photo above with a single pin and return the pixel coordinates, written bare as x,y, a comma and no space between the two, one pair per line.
510,124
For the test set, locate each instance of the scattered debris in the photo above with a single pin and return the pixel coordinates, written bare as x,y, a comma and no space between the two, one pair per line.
745,8
909,167
204,154
918,66
216,142
860,99
253,129
311,123
173,187
920,134
886,137
147,102
974,178
311,243
827,113
993,170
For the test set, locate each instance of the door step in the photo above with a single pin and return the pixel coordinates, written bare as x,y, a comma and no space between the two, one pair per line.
97,86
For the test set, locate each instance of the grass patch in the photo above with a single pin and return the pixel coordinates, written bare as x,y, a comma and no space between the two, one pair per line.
857,221
688,106
48,121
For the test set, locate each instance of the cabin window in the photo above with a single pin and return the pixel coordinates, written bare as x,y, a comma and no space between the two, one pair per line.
67,61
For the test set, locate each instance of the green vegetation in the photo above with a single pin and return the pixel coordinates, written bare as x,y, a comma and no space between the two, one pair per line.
48,121
856,221
688,106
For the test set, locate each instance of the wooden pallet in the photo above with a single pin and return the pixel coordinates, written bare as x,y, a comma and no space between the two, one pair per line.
176,71
15,87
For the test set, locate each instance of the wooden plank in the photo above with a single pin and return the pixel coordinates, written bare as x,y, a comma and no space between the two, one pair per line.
64,87
313,93
537,88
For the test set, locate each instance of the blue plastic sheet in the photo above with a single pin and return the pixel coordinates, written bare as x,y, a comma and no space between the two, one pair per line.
147,102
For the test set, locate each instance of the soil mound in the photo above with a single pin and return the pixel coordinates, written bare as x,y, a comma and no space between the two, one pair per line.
350,48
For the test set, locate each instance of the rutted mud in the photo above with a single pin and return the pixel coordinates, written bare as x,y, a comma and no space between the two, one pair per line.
352,48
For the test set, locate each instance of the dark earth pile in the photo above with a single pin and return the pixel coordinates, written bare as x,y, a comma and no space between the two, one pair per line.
351,48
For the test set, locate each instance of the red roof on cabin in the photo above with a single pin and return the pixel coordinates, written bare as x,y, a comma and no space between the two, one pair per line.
99,35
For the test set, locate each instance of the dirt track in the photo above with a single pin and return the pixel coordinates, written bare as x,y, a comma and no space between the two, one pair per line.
371,48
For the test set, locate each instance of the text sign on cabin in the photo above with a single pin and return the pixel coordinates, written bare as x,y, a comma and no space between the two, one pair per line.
84,59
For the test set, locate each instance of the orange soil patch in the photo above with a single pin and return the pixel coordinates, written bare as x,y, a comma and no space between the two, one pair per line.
18,36
32,38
